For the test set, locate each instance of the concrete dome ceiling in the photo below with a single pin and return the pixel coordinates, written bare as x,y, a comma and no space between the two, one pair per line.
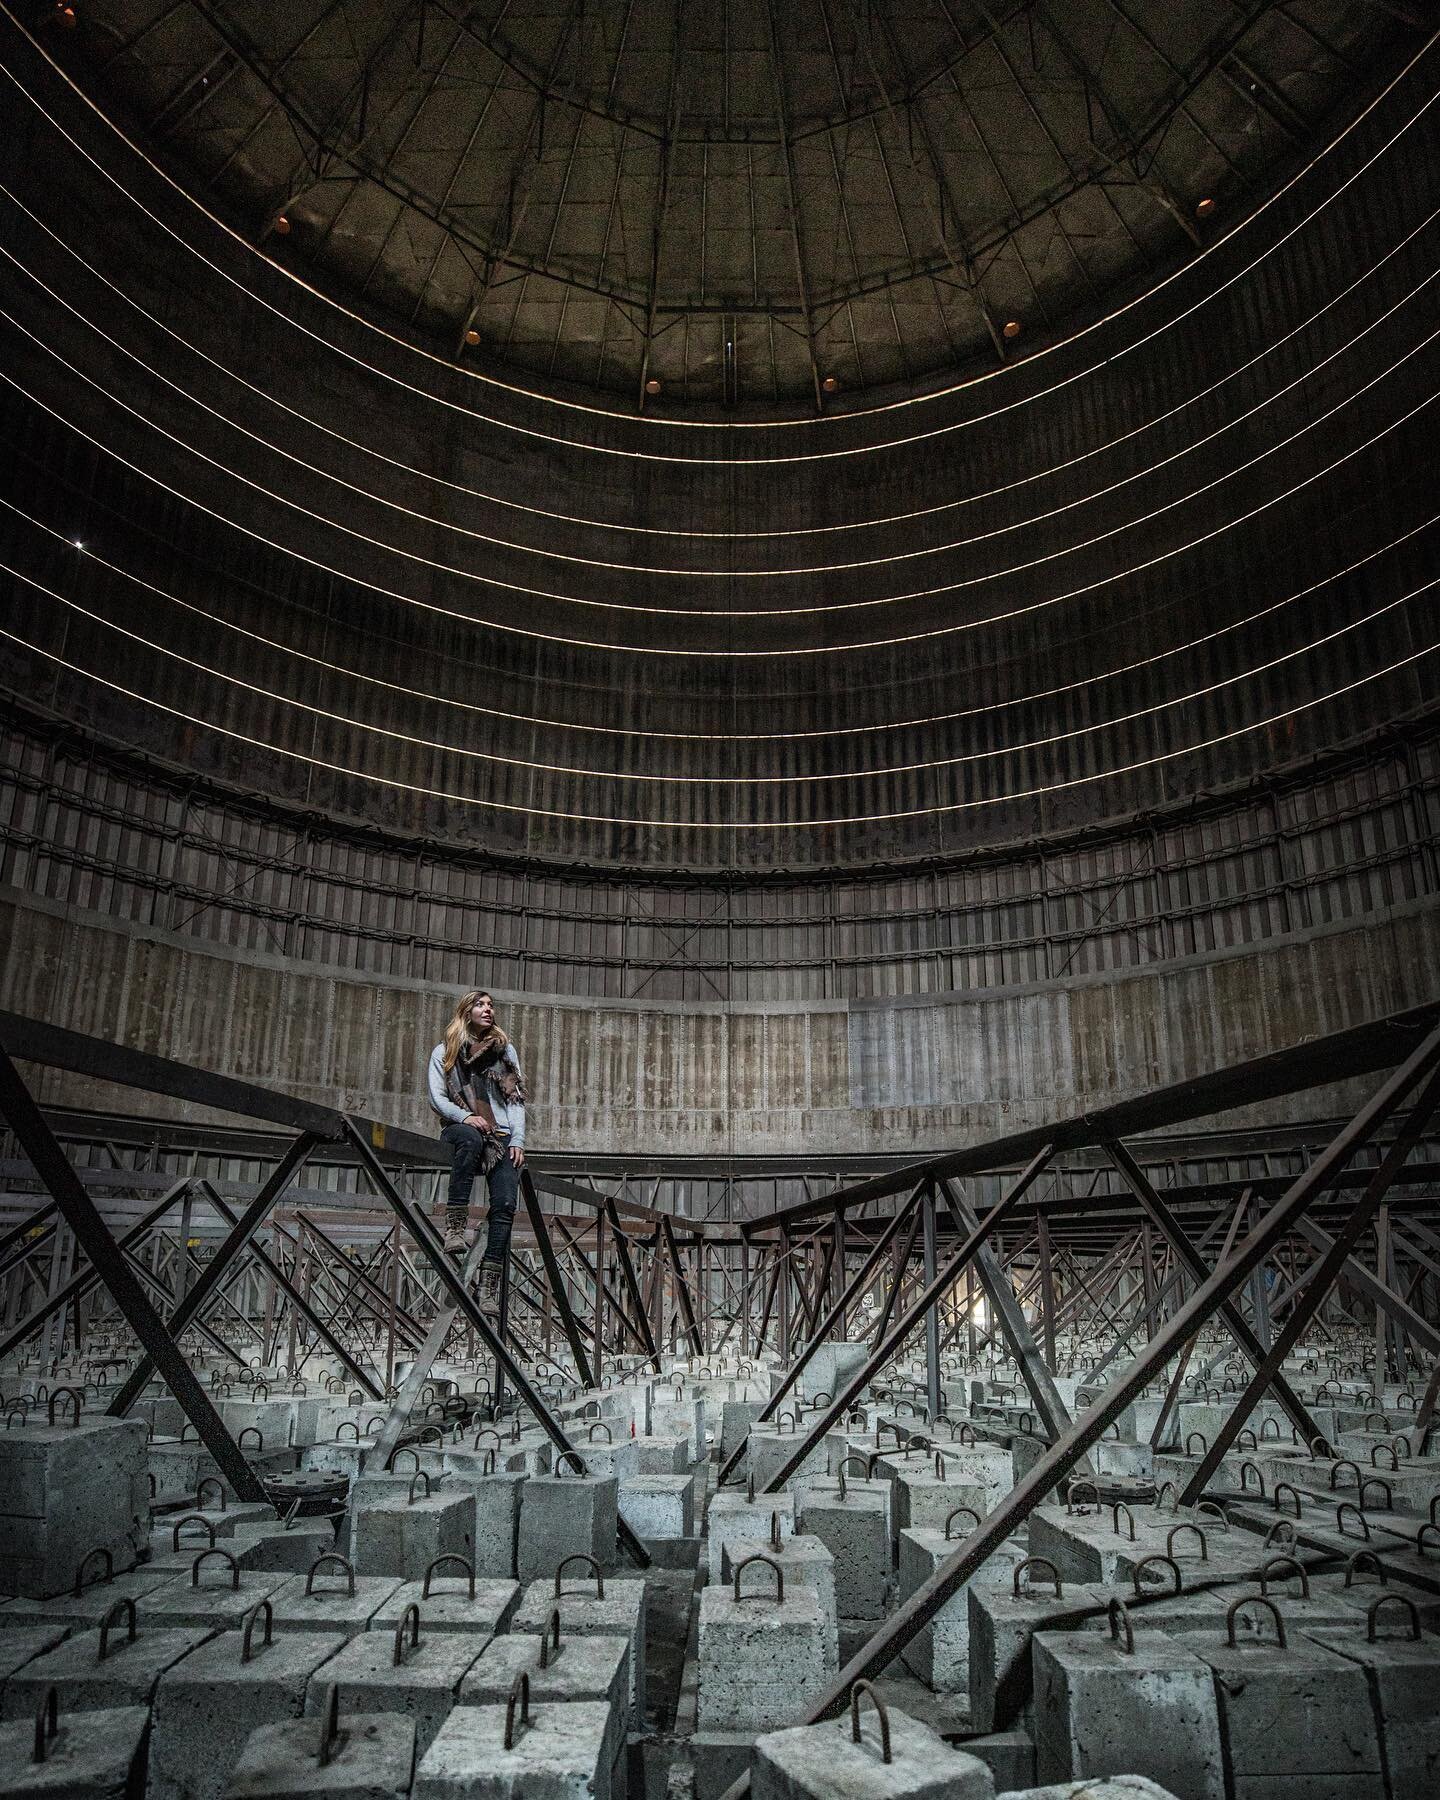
754,205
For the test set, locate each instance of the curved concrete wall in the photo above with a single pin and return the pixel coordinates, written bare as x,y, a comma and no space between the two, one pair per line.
1172,553
650,1079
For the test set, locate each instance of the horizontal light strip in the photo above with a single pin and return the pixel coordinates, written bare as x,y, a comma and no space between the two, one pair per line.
489,711
540,812
272,399
733,781
652,422
509,628
1310,370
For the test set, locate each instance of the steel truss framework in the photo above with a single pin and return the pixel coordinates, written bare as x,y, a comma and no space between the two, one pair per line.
1085,1231
513,172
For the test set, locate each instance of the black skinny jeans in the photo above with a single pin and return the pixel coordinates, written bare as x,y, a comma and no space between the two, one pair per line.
467,1147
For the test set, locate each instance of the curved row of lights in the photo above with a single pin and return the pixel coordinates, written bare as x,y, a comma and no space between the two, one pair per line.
738,425
644,778
1307,373
489,710
510,627
530,809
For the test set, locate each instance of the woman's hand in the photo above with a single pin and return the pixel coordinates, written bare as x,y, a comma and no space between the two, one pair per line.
517,1156
475,1120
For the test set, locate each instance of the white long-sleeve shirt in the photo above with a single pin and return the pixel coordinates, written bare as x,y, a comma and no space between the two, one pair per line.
509,1118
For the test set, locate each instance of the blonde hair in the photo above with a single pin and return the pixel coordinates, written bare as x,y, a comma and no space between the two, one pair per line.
459,1026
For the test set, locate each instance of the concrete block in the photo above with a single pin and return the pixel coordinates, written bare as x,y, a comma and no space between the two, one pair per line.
1002,1621
91,1756
98,1669
593,1608
371,1757
1008,1755
620,1458
85,1610
408,1671
1112,1787
733,1515
718,1759
452,1600
853,1531
816,1762
940,1653
1404,1679
924,1500
658,1506
65,1490
206,1706
276,1548
497,1494
688,1416
331,1597
761,1660
831,1365
565,1514
826,1489
1296,1719
199,1525
402,1534
664,1454
769,1449
736,1419
1149,1708
556,1753
217,1595
20,1647
804,1562
575,1668
1085,1547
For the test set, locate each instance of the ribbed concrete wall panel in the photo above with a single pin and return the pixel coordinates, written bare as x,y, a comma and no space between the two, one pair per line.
647,1079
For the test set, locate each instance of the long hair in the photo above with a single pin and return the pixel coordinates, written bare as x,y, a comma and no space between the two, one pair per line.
458,1028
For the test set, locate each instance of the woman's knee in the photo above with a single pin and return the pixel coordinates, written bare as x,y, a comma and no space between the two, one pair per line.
466,1143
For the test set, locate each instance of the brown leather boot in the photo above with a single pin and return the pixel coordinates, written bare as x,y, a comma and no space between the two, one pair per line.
490,1287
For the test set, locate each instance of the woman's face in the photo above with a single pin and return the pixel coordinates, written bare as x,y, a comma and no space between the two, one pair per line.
482,1014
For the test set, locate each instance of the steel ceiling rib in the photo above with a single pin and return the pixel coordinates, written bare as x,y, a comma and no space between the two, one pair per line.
1138,105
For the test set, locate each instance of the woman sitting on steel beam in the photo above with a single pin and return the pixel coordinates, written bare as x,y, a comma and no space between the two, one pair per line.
477,1089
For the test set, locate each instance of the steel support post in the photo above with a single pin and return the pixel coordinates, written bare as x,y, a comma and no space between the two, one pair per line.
94,1238
632,1287
1420,1330
1047,1292
1057,1461
687,1311
932,1315
281,1280
601,1228
897,1335
1174,1234
464,1302
1054,1414
853,1287
899,1263
194,1302
555,1279
1310,1302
